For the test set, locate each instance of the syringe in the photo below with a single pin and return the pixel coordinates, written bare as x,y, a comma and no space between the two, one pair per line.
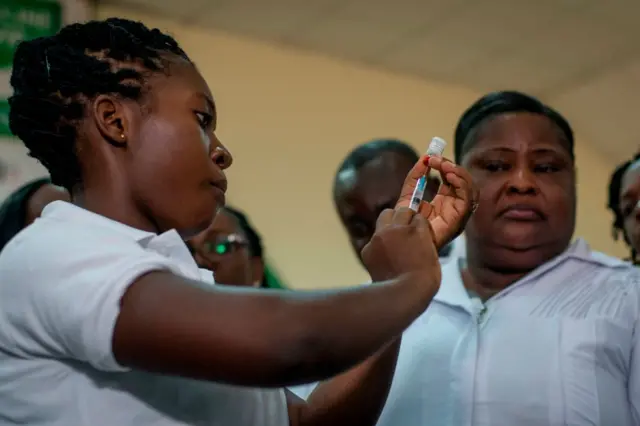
436,149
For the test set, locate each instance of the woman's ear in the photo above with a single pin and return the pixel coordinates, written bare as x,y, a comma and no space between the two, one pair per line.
109,114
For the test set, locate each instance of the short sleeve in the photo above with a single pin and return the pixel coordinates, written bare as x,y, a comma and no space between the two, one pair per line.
61,289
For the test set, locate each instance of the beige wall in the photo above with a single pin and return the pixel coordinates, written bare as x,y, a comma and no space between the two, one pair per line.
290,117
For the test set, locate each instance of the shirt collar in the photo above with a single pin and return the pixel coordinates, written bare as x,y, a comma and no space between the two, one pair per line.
581,250
169,244
67,212
452,291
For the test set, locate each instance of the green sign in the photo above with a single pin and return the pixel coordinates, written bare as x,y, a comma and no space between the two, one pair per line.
21,20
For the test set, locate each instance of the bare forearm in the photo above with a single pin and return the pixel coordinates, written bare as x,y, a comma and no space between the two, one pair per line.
257,338
355,325
355,398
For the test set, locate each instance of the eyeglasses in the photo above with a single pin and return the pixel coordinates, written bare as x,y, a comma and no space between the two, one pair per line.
225,244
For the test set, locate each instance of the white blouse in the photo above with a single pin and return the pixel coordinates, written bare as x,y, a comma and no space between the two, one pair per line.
62,279
559,347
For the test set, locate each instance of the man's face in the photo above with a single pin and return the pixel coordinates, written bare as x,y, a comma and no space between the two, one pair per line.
361,195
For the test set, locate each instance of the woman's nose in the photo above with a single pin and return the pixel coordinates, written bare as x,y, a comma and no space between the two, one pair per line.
222,157
522,181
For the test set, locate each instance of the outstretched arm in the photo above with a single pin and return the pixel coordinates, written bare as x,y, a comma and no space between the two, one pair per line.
170,325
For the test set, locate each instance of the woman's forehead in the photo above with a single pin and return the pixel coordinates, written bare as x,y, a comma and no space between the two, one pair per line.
518,132
521,125
181,77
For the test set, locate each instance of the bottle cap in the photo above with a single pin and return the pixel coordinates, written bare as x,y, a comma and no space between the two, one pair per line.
436,147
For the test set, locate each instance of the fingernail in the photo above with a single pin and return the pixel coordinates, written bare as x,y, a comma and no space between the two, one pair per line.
426,160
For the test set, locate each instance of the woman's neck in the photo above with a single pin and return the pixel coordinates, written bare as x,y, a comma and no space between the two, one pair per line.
115,211
105,188
487,272
110,202
485,281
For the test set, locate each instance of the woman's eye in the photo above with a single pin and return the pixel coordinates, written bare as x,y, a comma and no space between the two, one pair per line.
546,168
496,166
204,119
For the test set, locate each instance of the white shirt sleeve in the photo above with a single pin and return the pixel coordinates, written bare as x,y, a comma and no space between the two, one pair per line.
60,293
634,376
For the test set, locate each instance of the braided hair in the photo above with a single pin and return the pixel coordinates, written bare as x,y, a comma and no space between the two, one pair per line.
54,77
615,188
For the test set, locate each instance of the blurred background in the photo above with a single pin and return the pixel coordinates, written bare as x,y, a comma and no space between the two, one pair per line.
299,83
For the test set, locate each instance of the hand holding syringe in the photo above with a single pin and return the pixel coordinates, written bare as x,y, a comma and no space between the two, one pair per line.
436,149
450,209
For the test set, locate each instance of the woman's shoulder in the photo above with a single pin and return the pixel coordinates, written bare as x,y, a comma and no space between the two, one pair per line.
48,242
72,250
612,284
602,268
613,271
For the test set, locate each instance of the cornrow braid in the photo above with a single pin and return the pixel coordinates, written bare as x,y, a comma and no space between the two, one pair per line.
615,187
54,77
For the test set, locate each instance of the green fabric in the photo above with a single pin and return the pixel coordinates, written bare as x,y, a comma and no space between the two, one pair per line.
272,279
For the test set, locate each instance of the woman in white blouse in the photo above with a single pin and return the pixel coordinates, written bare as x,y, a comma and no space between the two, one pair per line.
527,328
106,319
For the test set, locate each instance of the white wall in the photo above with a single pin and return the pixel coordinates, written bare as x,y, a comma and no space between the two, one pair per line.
290,117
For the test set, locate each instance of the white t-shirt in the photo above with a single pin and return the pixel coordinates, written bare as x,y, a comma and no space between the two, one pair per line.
61,283
559,347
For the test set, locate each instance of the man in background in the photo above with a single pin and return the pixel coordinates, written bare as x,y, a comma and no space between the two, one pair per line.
368,181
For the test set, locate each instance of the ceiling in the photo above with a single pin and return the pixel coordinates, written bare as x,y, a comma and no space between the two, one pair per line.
582,56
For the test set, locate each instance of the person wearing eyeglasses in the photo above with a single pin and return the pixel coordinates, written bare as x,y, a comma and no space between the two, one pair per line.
232,249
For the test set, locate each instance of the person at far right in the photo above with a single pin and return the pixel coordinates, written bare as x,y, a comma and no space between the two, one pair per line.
624,203
528,328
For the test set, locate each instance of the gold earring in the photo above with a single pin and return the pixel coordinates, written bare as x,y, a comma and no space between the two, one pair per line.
122,136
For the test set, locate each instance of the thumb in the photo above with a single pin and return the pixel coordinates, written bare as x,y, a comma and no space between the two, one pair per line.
410,182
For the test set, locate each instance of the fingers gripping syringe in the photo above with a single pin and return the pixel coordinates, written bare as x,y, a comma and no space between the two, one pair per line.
436,149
